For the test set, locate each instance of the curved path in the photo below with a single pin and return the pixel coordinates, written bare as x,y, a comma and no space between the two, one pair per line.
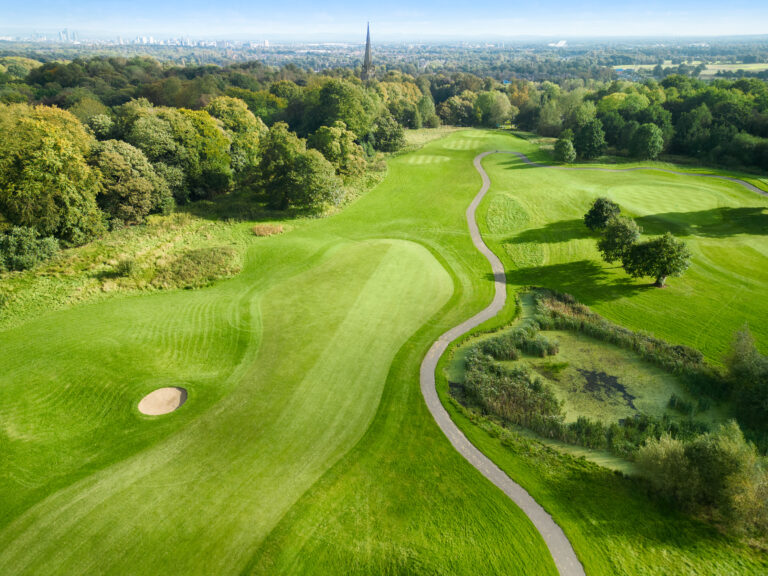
562,552
745,184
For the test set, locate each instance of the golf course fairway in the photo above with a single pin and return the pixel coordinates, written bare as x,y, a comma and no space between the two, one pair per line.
304,445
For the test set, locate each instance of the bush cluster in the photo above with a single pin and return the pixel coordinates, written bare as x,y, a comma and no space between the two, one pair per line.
22,248
719,472
524,338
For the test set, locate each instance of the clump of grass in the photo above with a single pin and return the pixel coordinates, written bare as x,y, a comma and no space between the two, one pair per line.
267,229
197,268
127,267
679,405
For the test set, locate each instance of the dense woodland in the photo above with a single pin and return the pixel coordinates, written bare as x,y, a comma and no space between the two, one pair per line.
104,141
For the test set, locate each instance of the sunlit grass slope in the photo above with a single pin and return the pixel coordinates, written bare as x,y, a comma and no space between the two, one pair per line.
304,445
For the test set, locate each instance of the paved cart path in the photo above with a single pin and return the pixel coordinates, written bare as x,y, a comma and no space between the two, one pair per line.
562,552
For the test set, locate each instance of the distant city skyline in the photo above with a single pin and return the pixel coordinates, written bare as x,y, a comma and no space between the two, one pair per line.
393,20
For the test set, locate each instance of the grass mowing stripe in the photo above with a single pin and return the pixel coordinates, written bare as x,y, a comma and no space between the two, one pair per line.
400,501
278,455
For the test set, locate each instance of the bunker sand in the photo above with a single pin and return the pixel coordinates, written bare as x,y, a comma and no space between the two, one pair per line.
163,401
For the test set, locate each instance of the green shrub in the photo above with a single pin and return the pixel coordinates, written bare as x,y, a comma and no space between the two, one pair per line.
22,248
126,268
600,214
719,471
523,338
564,151
678,404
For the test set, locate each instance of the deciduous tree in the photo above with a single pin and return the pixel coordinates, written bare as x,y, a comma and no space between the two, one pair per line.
600,213
619,235
658,258
45,181
131,186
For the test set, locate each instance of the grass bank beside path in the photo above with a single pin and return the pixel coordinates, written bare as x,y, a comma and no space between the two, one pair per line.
304,445
532,221
615,527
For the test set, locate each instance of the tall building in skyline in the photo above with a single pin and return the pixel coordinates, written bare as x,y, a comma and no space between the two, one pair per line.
368,67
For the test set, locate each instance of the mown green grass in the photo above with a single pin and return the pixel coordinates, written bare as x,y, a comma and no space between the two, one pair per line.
533,222
304,445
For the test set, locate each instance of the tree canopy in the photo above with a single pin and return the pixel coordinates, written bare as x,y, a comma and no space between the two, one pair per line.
45,180
619,235
131,186
658,258
600,213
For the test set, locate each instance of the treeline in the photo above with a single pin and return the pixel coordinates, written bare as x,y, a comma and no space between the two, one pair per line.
289,94
724,122
102,143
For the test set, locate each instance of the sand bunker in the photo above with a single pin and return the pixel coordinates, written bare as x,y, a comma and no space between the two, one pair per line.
162,401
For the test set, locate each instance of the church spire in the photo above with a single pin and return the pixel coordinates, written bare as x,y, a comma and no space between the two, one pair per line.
367,72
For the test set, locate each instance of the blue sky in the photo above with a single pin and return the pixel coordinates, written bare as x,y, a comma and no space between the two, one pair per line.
390,20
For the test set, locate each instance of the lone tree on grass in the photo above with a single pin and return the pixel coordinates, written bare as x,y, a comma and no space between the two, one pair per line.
658,258
600,214
619,236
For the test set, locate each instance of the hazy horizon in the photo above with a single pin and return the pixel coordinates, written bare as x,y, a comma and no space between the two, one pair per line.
345,21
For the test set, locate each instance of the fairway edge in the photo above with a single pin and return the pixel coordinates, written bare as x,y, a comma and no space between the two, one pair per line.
562,552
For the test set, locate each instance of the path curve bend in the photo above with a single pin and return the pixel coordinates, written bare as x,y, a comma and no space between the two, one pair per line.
562,552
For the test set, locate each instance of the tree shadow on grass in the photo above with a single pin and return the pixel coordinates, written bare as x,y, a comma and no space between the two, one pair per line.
714,223
515,163
589,282
241,206
561,231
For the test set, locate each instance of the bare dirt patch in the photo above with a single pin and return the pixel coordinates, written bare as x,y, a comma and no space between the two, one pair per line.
163,401
267,229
